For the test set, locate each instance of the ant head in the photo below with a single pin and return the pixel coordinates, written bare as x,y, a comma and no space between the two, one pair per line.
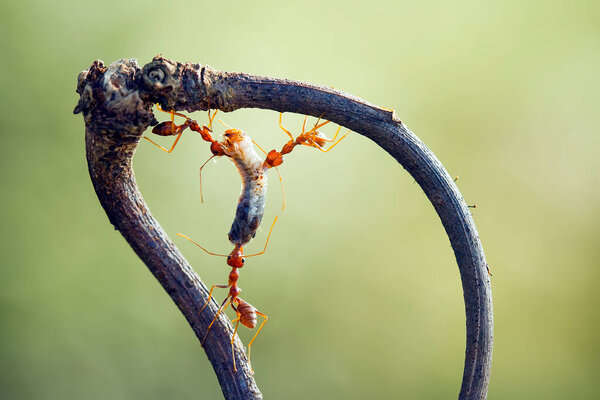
217,149
236,258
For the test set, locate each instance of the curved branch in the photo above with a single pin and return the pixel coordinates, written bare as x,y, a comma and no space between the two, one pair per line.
117,111
195,87
115,118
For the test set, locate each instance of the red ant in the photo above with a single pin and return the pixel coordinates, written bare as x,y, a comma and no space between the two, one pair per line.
251,205
246,313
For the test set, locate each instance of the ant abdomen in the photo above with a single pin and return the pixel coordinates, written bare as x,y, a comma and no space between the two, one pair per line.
247,314
320,139
166,128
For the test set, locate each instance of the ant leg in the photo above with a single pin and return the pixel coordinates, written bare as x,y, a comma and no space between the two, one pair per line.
210,119
237,321
224,305
266,243
255,335
210,294
174,143
282,190
337,132
317,125
335,144
278,174
200,174
285,130
173,113
324,139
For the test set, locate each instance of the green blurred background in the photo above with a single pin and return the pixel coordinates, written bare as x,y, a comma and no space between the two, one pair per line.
359,281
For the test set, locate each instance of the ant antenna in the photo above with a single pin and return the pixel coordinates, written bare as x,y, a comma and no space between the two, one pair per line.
227,255
212,254
172,112
317,126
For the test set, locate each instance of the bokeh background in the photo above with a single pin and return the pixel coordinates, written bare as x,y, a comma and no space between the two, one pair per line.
359,280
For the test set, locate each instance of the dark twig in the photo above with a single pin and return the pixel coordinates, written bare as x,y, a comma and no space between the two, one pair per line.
194,87
115,118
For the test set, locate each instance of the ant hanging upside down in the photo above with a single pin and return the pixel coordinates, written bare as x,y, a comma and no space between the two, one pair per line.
238,146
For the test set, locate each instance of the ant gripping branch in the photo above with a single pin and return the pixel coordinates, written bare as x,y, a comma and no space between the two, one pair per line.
239,147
